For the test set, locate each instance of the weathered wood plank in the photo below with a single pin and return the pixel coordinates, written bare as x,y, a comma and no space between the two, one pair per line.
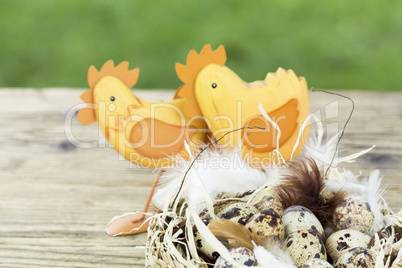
55,199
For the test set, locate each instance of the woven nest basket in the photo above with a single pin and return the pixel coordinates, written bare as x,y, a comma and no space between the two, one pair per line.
158,237
171,242
166,235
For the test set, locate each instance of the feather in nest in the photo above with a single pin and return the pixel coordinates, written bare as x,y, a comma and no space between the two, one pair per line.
214,171
268,252
232,234
274,257
326,155
301,184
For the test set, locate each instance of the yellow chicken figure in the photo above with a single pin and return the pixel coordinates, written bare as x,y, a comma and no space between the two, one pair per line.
150,134
228,103
145,133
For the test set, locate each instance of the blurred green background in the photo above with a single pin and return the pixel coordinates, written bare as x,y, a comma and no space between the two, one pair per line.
339,44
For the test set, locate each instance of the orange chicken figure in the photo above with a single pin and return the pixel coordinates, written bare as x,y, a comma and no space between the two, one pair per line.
146,133
228,103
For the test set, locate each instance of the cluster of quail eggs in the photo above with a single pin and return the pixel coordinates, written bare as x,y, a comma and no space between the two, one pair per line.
345,244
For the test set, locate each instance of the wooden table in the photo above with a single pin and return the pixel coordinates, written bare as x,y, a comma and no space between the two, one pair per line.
55,199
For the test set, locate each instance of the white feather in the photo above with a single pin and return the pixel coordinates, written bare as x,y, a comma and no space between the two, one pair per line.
375,190
215,171
351,158
274,259
325,153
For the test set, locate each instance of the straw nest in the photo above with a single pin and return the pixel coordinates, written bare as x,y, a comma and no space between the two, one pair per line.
171,233
196,227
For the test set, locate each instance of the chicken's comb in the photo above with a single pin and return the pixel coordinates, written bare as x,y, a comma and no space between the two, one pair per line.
86,115
188,73
121,71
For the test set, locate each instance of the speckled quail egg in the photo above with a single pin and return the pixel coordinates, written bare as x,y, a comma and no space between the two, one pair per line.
261,193
221,205
317,263
202,244
241,255
343,240
223,195
271,203
266,223
356,257
298,217
266,199
353,213
238,212
305,244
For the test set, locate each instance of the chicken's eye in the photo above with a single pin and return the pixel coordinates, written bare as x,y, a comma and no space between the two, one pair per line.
214,85
112,98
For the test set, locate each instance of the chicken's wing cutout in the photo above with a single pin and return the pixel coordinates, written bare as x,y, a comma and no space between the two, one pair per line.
265,140
145,133
227,103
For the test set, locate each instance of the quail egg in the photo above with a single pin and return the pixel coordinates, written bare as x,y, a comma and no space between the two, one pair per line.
320,263
222,205
266,223
266,199
343,240
202,244
241,255
353,213
305,244
260,194
356,257
271,203
298,217
238,212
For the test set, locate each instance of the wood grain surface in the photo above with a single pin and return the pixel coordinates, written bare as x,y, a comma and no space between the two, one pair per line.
56,198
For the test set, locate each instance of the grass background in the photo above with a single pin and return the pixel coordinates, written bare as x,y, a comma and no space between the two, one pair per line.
339,44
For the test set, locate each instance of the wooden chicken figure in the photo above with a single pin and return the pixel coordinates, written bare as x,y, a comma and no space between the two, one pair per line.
145,133
227,103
